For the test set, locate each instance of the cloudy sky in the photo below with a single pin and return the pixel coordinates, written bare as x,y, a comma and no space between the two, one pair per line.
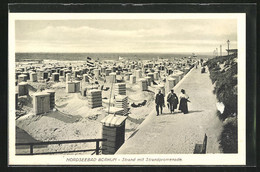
161,36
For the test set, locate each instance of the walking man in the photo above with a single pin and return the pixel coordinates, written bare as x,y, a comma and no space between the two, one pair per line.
159,101
173,100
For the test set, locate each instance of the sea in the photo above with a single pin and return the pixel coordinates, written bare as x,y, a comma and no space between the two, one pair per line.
102,56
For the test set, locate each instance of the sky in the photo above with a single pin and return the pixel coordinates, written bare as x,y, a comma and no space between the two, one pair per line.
125,35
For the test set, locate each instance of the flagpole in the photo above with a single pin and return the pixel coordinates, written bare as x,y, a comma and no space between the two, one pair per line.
110,97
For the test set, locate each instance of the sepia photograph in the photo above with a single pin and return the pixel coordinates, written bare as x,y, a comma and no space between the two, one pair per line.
127,89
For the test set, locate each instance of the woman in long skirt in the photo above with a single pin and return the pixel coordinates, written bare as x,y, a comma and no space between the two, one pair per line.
184,98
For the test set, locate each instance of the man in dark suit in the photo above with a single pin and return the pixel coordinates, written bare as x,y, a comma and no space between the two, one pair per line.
159,101
173,101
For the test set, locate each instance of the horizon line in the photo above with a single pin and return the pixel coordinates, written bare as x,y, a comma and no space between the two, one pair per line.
123,52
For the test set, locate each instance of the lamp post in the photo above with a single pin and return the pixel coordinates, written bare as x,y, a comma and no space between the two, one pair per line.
228,45
220,49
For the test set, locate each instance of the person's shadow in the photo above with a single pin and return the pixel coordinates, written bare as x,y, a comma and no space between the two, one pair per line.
194,111
179,112
169,113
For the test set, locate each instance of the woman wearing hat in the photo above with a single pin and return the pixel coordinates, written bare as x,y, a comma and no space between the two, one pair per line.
184,98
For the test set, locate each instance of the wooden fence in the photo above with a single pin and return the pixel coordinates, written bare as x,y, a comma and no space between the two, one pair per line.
96,150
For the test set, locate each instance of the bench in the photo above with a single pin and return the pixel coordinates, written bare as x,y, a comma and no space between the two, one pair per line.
201,148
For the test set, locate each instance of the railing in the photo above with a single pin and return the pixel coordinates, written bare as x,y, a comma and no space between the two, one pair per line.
96,150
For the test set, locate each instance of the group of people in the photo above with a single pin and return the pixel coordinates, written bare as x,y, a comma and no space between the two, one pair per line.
172,101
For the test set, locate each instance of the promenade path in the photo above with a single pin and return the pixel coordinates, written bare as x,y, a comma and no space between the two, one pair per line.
178,133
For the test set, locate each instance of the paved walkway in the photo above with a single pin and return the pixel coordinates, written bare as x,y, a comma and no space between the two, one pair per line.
178,132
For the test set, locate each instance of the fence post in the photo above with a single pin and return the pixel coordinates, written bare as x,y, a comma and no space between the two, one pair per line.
31,149
97,147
